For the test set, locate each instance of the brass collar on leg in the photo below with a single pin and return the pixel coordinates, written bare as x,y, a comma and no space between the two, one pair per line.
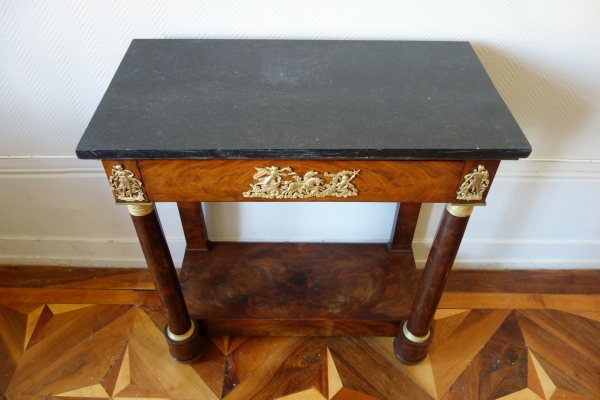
459,210
139,210
180,338
413,338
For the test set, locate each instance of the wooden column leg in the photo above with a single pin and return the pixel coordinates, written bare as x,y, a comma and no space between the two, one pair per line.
404,228
414,335
185,342
194,228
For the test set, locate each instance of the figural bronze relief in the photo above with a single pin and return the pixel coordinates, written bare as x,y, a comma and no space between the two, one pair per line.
272,184
125,185
474,185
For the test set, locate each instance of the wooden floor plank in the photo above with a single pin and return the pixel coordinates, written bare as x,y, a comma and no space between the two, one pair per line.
567,368
74,361
444,327
211,367
524,281
499,369
590,314
247,357
294,367
69,296
13,325
451,358
366,371
64,337
520,301
580,333
75,277
113,380
537,379
421,373
153,369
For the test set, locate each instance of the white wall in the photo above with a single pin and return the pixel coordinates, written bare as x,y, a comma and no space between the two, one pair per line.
57,58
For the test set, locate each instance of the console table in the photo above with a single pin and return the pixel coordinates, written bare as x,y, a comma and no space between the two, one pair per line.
193,121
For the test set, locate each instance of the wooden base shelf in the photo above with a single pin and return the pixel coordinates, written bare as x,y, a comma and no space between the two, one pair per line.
299,289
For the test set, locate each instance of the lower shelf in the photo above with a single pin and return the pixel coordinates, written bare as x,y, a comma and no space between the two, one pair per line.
299,289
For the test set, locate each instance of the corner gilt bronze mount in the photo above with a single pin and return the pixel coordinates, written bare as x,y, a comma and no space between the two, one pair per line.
125,185
272,185
474,185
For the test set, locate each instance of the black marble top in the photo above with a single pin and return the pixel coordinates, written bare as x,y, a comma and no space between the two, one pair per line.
180,98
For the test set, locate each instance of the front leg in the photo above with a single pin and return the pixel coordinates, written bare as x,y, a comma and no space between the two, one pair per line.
414,335
185,342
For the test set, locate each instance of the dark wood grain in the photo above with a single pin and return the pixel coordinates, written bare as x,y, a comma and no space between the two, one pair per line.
75,277
226,180
567,368
404,228
567,281
300,327
439,262
63,333
211,367
260,281
524,281
580,333
358,364
247,357
160,263
499,369
12,336
158,257
194,228
295,366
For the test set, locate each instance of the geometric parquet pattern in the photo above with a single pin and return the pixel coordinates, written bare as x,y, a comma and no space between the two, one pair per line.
66,351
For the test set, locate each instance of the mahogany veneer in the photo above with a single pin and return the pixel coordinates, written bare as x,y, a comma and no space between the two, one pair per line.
299,289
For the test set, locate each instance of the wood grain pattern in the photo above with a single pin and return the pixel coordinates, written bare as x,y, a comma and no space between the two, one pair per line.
76,358
298,281
561,360
63,334
537,379
71,296
153,370
439,263
499,369
158,257
407,216
560,324
524,281
521,301
357,363
445,327
248,356
194,228
300,327
567,368
349,394
13,325
211,367
463,345
294,367
421,373
75,278
225,180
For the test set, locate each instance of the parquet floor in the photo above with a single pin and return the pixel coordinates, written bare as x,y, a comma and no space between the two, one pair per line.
97,334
